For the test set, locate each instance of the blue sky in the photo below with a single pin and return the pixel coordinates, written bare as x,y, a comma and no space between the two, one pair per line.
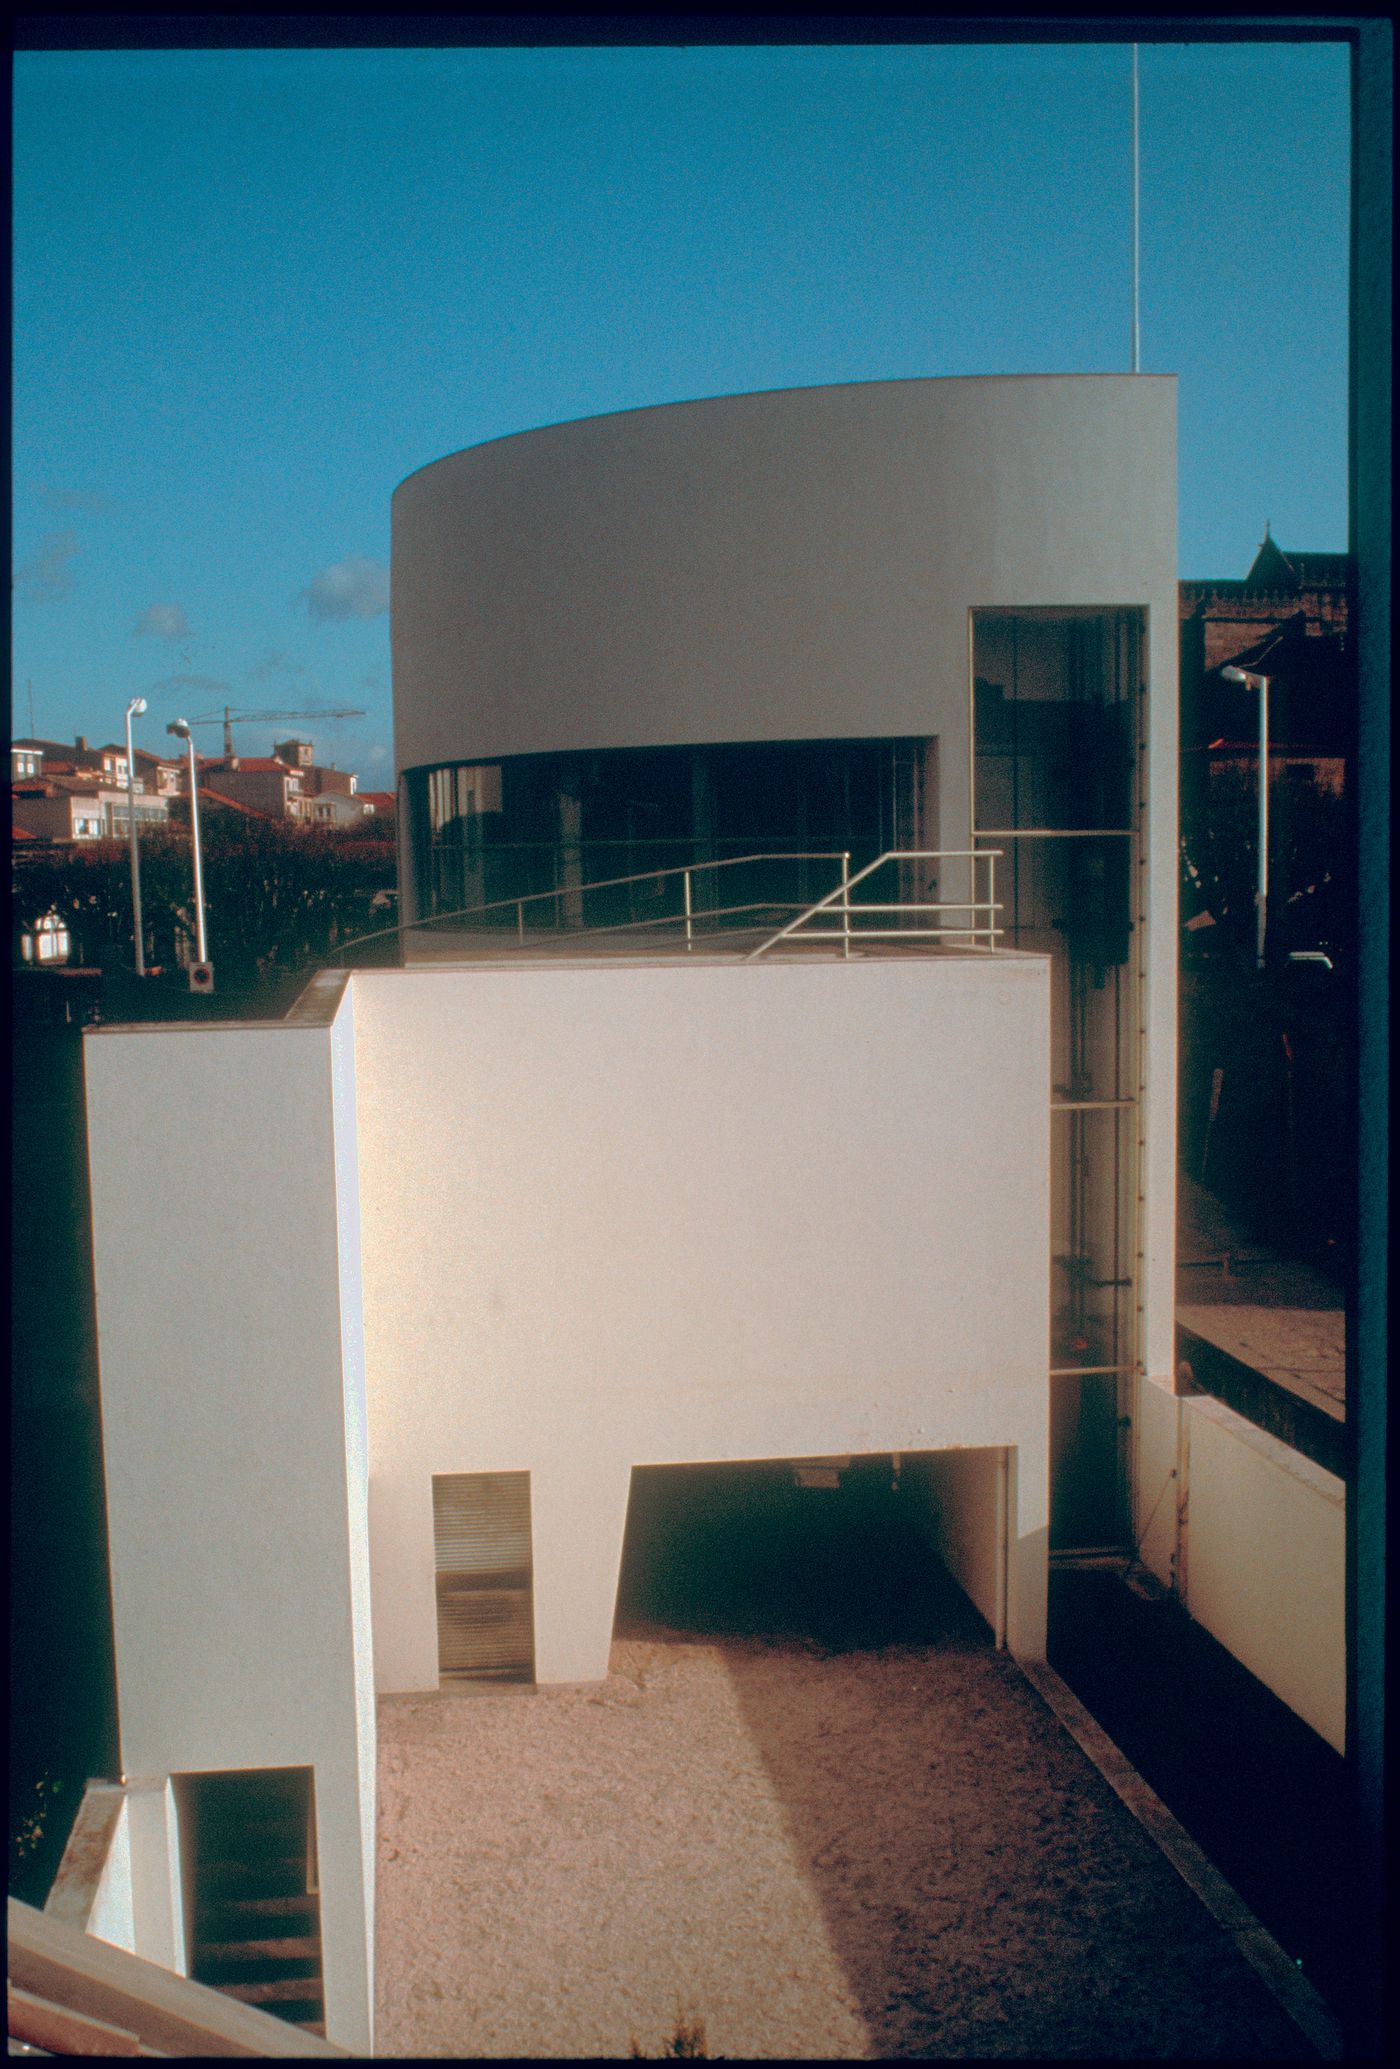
255,289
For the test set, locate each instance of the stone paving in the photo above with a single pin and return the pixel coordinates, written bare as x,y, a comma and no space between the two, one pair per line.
1281,1318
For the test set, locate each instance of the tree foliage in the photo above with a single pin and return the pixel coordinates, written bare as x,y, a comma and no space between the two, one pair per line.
277,897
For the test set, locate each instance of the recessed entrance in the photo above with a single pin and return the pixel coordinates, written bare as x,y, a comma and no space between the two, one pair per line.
837,1550
252,1893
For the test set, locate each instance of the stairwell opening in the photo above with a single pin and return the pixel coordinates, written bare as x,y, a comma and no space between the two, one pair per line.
838,1551
252,1891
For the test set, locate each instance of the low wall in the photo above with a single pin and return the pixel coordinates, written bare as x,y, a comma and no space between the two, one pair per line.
1264,1560
93,1889
1251,1536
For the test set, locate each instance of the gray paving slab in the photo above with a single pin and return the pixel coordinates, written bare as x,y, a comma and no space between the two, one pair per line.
1278,1316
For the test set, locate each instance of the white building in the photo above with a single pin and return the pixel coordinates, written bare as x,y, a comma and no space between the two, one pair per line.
550,1203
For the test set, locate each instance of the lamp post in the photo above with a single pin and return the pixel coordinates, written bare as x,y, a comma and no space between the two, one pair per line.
180,727
133,709
1261,897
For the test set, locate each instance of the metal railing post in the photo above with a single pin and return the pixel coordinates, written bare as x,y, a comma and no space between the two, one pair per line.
689,937
846,906
520,919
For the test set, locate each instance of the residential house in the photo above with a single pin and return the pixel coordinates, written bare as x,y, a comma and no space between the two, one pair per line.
260,781
843,1124
1287,619
162,775
66,805
107,763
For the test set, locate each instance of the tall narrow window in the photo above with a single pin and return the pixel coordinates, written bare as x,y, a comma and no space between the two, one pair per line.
1057,734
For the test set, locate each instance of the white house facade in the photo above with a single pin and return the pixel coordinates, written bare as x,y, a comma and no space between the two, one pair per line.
691,1130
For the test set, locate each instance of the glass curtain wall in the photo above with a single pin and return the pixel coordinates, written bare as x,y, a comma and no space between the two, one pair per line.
1057,787
536,844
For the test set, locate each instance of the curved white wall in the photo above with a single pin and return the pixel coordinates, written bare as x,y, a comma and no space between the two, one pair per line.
801,565
792,565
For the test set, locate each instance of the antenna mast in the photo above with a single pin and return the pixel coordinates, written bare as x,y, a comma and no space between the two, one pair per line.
1137,328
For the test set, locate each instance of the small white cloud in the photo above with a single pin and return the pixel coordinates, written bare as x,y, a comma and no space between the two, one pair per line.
46,575
378,757
353,588
162,621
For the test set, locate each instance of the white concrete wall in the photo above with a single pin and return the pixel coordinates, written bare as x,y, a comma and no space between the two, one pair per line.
801,564
960,1489
113,1914
650,1214
222,1201
1252,1537
94,1890
157,1880
1264,1561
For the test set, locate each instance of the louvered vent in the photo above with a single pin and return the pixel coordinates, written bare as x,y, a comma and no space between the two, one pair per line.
481,1535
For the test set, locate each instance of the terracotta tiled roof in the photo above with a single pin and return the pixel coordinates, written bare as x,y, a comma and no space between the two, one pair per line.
382,800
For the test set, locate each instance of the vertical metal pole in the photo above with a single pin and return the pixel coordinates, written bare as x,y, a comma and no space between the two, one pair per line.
201,943
846,904
520,919
685,883
1262,897
1137,332
136,704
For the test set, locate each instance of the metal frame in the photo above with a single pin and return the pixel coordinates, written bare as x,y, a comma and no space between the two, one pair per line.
981,934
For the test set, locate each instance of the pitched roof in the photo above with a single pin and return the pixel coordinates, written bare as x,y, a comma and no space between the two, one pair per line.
382,800
1276,573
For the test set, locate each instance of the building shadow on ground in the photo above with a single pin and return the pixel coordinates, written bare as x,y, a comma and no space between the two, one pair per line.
985,1892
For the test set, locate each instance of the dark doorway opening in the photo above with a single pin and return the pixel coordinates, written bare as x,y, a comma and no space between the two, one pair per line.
252,1890
838,1552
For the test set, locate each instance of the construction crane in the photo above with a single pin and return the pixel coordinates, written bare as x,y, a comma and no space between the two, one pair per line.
228,719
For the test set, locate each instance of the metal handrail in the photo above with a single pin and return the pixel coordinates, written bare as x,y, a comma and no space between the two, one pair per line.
972,929
687,870
990,933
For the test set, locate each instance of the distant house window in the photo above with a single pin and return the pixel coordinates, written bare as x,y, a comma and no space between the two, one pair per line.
47,941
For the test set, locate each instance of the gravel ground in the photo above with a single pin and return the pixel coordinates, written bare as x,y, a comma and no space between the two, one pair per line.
821,1852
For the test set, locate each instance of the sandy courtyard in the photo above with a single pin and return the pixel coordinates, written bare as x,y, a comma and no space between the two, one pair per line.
890,1851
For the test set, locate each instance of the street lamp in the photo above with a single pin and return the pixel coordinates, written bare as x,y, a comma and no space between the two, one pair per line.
133,709
1252,681
180,727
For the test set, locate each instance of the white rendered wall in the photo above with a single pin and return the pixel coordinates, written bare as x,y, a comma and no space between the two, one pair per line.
227,1304
1252,1537
619,1216
113,1916
960,1491
801,564
1264,1561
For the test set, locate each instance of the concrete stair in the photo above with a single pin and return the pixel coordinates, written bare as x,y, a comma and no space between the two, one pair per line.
257,1935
